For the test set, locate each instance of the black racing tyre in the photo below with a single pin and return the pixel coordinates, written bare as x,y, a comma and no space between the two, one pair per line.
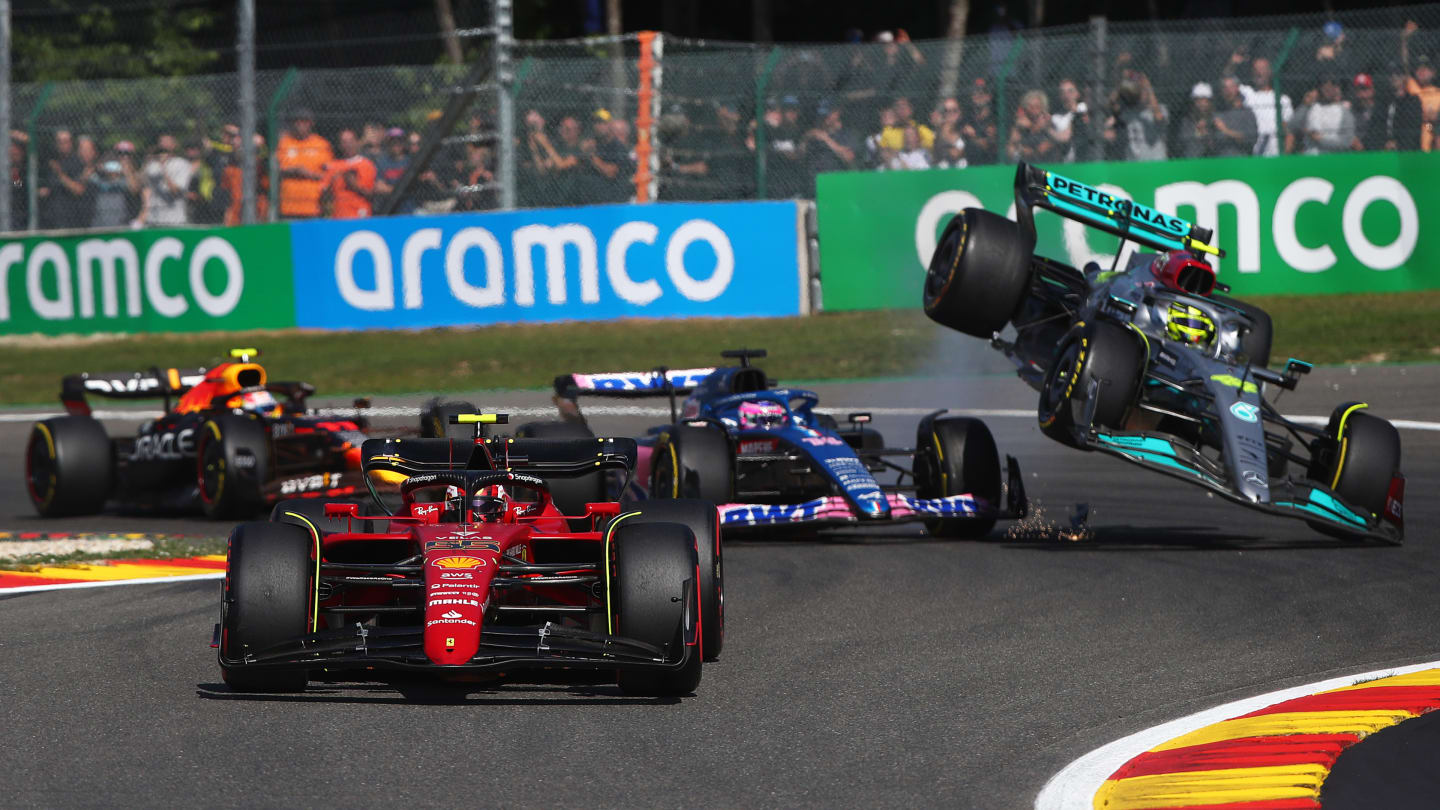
69,466
1255,344
435,421
570,494
1364,456
978,274
1104,352
232,456
702,519
651,565
693,461
267,599
956,455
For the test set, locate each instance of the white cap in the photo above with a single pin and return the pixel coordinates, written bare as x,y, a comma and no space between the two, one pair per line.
1201,90
884,36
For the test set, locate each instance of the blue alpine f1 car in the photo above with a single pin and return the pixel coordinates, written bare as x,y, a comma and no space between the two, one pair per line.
770,459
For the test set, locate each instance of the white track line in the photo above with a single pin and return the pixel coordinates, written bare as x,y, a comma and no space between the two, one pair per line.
105,583
656,412
1075,786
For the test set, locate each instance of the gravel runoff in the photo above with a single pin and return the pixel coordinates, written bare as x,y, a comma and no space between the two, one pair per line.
17,549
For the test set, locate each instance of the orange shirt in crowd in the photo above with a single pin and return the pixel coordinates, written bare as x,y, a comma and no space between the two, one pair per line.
230,180
300,197
346,203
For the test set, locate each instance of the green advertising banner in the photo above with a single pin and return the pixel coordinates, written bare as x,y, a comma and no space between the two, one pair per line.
180,280
1295,225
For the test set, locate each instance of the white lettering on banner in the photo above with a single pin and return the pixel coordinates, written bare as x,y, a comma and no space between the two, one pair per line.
553,240
639,293
1287,206
1077,246
383,296
170,306
700,230
62,306
935,209
419,242
1375,189
10,255
213,247
493,293
105,254
1206,200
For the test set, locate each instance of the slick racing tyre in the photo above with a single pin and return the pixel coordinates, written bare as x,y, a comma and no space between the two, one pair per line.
569,494
693,461
978,274
956,455
1104,353
232,456
68,466
651,565
1358,461
702,519
266,600
1255,344
435,421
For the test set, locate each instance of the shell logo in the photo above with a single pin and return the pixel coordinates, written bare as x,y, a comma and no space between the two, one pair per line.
459,562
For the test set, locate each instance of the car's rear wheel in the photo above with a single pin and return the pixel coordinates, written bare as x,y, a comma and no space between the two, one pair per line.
69,466
978,274
267,597
435,421
232,455
651,565
702,519
956,455
1360,456
1103,356
693,461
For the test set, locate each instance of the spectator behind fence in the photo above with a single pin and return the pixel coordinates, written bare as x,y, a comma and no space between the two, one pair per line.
302,154
111,195
683,157
206,197
949,149
1031,139
19,195
232,178
1295,129
372,141
1369,118
1329,126
1197,132
64,188
1071,125
1422,86
1137,123
166,177
349,181
893,137
830,147
610,159
912,153
1236,129
875,149
477,172
1403,116
391,167
980,131
1260,98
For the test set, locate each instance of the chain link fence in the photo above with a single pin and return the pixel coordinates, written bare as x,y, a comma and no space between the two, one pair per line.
636,117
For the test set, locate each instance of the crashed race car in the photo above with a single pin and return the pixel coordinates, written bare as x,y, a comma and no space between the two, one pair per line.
1147,360
465,570
769,459
224,445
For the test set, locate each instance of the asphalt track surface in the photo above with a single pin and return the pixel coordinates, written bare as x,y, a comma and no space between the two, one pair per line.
862,669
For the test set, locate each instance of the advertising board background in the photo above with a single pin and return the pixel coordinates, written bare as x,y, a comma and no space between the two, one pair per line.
1296,225
656,261
180,280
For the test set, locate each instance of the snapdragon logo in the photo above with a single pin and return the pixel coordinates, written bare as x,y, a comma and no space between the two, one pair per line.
61,286
475,270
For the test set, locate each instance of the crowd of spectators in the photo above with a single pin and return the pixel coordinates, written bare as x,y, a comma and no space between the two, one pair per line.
876,108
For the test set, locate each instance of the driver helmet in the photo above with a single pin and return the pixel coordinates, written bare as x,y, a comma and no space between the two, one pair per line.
260,402
761,415
488,505
1189,324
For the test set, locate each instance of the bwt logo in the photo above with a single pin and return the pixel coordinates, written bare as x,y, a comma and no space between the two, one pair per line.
114,261
553,240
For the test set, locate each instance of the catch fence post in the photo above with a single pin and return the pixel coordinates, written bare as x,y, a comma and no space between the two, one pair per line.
1098,107
272,118
32,153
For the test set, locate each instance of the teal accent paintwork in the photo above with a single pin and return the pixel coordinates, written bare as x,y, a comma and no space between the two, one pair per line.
1324,505
1149,444
1096,219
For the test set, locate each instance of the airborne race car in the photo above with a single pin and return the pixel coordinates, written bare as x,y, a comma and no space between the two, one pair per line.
228,447
1148,363
468,571
770,460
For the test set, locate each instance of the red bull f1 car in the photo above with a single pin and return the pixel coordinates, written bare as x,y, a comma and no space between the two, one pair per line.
225,445
1148,361
771,460
465,570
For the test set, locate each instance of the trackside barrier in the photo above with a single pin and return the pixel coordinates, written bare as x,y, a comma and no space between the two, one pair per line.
1300,225
664,260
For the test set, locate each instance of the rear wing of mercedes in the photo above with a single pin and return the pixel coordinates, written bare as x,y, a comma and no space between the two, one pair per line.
1117,216
157,383
659,382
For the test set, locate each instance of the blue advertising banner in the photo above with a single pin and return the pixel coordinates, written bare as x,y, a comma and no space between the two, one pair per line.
661,260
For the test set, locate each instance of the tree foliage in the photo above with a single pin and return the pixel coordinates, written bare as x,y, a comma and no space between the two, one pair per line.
56,40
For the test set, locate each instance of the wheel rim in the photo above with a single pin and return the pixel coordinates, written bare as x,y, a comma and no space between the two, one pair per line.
39,471
212,473
943,260
1062,378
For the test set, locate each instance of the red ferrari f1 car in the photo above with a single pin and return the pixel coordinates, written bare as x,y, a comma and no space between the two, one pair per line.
467,571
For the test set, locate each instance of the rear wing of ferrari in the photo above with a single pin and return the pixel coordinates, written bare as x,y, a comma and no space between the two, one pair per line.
561,458
1117,216
157,383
